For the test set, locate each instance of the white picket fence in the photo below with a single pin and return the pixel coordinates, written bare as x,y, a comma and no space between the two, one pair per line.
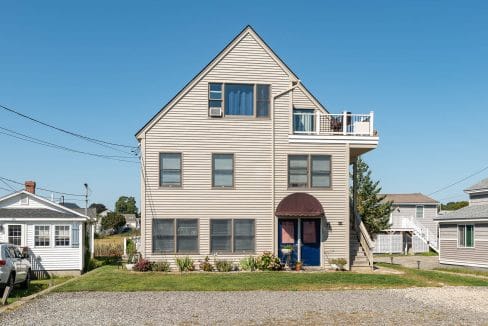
388,243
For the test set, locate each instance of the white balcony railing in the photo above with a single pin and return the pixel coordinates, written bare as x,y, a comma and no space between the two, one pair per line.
410,223
347,124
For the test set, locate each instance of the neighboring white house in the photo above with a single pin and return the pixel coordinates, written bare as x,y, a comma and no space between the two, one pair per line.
54,235
463,234
412,226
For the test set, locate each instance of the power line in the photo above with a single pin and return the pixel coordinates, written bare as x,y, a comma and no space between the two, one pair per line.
44,189
459,181
93,140
8,185
27,138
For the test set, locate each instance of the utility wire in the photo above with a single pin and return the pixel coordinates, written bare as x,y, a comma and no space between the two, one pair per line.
30,139
459,181
8,185
93,140
44,189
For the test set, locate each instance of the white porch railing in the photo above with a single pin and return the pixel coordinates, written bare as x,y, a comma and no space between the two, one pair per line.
347,124
410,223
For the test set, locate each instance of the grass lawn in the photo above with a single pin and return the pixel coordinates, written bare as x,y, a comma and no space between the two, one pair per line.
461,270
35,286
109,278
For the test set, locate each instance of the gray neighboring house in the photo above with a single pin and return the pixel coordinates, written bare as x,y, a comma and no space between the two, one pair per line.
132,221
413,228
463,234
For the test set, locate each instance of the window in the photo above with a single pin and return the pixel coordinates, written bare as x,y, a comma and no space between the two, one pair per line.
237,236
303,121
251,100
466,236
320,171
168,239
262,101
309,171
223,170
170,169
215,95
15,234
41,236
61,235
419,211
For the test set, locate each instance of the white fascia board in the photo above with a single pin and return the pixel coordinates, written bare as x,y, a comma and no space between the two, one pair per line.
334,139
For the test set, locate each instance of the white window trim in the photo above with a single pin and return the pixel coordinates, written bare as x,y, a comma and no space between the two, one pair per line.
69,236
22,242
423,211
457,240
50,236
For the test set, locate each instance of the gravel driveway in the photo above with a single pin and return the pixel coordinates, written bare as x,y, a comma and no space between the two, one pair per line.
448,306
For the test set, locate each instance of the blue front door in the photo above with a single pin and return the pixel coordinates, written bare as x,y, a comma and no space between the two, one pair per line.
303,231
310,241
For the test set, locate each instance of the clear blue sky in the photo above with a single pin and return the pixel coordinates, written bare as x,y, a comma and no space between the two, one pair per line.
103,68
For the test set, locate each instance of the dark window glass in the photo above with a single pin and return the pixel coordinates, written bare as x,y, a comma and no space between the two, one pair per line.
187,235
244,235
298,171
320,171
220,236
41,236
163,235
170,169
223,170
15,234
303,121
61,235
262,100
239,99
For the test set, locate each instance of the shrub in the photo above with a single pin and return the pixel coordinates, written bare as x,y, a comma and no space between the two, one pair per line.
113,221
185,264
206,266
268,262
160,266
248,264
142,265
223,265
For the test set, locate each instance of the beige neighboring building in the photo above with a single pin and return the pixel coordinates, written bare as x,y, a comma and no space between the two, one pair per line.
244,159
412,225
463,234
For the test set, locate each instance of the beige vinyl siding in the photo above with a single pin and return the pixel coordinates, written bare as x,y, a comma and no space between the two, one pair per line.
186,128
478,199
450,253
430,212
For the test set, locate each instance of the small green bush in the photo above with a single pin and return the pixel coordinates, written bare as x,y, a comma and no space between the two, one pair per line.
160,266
269,262
224,265
206,266
142,265
185,264
248,264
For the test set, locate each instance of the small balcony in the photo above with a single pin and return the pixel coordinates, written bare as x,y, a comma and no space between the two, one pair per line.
356,130
306,122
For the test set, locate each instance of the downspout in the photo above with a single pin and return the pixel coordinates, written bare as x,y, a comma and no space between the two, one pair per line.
273,155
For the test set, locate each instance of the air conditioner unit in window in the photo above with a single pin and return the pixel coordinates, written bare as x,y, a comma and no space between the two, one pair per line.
216,112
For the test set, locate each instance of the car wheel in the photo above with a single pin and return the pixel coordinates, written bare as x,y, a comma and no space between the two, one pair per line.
26,283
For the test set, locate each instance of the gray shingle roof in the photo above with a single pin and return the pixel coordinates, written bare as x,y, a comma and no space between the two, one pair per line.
415,198
483,184
466,213
34,212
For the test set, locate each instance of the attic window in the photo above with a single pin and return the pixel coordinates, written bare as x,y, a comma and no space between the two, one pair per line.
24,200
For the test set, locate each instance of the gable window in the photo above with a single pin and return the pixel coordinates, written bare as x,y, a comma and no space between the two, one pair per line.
303,121
42,236
170,169
466,236
309,171
223,170
232,235
419,211
61,235
15,234
252,100
175,236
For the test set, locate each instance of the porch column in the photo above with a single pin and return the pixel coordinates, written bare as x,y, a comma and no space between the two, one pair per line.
354,186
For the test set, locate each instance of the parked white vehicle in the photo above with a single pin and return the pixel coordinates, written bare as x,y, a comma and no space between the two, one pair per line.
15,268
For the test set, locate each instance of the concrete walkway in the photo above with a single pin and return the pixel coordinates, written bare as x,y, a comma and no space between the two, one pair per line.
426,262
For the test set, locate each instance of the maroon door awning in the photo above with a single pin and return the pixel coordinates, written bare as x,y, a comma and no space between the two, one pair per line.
299,204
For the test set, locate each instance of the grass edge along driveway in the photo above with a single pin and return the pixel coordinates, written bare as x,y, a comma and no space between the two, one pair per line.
110,278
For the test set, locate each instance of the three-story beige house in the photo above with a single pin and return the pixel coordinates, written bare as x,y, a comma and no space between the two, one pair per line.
244,159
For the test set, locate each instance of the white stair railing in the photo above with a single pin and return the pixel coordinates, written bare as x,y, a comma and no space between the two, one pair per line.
423,233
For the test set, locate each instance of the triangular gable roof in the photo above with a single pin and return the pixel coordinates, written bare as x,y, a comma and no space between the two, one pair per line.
247,30
45,201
